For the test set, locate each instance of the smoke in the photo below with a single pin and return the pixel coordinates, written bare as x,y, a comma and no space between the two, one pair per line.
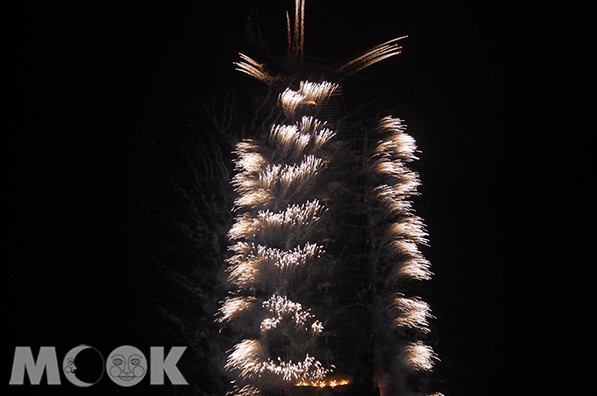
186,216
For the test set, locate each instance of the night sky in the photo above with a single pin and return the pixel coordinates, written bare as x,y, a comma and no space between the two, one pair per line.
101,95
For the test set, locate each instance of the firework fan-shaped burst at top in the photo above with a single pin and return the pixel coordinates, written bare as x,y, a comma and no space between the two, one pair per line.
325,243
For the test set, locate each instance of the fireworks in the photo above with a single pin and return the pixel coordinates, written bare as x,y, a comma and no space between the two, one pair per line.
296,35
253,68
275,234
283,228
309,94
374,55
309,369
417,356
411,313
255,264
249,357
233,307
247,390
293,140
281,308
332,383
284,224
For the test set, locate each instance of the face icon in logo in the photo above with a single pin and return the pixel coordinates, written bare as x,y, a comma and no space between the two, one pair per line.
69,366
126,365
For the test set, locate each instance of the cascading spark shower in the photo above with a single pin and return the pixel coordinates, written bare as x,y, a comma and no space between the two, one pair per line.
326,243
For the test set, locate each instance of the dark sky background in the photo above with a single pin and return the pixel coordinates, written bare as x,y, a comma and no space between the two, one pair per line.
95,90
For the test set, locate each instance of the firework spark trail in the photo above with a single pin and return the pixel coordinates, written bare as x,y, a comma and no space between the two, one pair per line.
309,94
250,358
285,228
255,264
417,356
292,140
277,182
411,313
296,36
318,92
253,68
247,390
290,101
289,139
372,56
283,177
233,307
411,227
247,356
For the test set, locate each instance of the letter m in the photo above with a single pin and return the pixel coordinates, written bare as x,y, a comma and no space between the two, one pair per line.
23,362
